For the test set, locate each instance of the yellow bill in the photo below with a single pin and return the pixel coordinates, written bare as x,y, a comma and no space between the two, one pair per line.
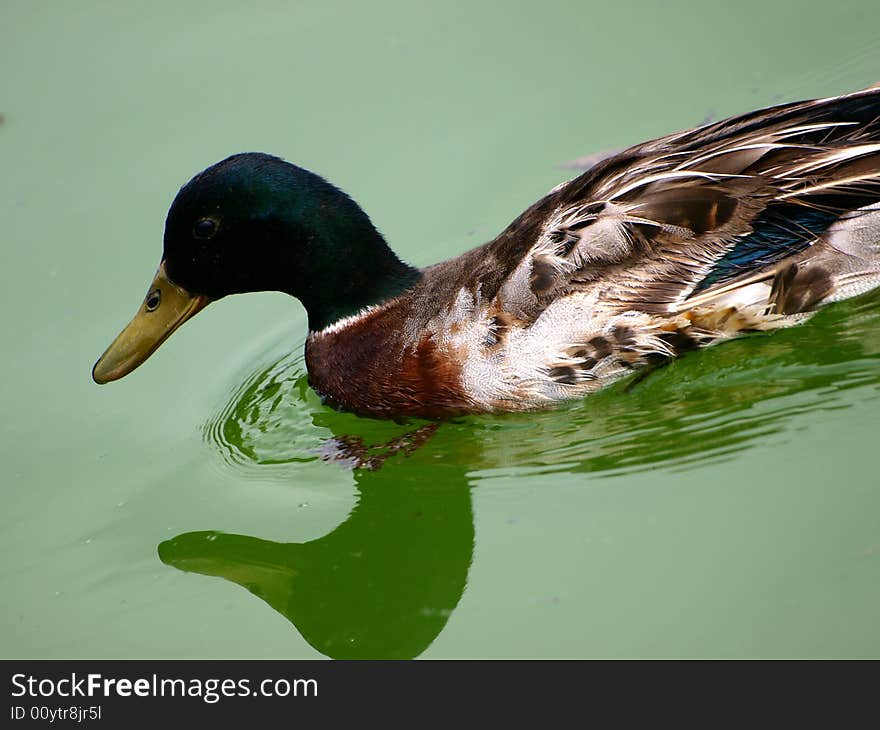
166,307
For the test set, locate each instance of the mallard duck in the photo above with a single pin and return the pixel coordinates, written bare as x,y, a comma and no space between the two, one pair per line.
746,224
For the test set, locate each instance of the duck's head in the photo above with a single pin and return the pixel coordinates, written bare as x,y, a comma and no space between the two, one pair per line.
254,222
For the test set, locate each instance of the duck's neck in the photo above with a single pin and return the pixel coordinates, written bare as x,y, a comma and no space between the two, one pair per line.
350,275
353,285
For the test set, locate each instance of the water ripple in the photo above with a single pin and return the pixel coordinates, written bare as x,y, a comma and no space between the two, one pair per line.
705,408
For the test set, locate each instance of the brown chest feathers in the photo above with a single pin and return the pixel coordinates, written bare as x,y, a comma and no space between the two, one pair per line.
372,367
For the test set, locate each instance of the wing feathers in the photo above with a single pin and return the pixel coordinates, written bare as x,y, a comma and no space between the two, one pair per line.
684,215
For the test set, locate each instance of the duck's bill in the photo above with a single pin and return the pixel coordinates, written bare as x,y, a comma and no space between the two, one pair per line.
166,307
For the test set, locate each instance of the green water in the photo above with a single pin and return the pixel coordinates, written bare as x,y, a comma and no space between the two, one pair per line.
206,506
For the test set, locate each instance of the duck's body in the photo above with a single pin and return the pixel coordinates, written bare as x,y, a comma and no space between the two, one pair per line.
747,224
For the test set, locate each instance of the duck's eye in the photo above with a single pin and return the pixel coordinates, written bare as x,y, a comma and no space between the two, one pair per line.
153,299
205,228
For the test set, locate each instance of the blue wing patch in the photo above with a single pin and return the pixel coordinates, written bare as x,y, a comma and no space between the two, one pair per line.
779,231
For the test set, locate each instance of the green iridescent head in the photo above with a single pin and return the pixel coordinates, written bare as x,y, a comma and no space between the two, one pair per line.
254,222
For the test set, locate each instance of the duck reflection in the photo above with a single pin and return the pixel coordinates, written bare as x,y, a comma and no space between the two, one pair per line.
384,583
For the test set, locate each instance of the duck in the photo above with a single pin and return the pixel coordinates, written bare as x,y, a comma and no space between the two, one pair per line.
747,224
